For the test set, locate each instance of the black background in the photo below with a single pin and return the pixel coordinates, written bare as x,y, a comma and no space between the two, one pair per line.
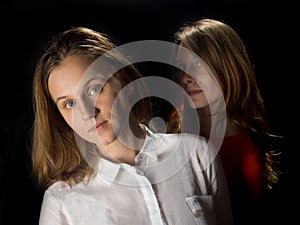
268,29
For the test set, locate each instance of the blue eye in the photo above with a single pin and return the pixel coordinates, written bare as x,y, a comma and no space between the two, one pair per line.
95,89
69,104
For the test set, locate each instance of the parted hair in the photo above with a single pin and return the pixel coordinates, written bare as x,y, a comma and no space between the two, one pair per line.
54,150
223,50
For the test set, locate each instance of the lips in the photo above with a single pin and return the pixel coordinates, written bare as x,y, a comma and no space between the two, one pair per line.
98,127
194,92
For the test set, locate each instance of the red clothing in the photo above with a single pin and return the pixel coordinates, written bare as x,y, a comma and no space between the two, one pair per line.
242,165
243,169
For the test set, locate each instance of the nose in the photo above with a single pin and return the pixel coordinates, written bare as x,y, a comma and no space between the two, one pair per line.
88,110
186,79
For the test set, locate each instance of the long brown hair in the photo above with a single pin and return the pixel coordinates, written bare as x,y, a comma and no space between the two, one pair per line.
222,49
55,154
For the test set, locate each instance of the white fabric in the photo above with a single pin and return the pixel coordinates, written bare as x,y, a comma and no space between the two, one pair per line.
174,182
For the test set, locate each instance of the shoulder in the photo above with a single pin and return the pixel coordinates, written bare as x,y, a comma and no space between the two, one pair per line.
60,203
193,150
56,190
61,192
58,187
180,143
181,139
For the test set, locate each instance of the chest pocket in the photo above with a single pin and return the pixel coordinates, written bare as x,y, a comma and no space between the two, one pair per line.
203,209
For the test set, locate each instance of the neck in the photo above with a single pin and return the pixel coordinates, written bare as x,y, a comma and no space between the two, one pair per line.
120,153
231,129
204,116
125,148
205,120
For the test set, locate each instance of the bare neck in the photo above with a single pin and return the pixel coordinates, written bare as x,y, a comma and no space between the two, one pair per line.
205,120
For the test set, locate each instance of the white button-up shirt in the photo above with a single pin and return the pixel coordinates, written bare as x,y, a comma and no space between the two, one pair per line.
176,181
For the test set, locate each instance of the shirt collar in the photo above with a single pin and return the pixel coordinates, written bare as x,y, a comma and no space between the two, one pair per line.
148,148
108,170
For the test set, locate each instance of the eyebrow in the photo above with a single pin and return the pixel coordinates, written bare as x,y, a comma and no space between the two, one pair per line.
86,83
59,98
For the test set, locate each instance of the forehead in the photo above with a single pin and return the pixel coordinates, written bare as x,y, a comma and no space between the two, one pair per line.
67,74
185,55
69,77
103,68
78,69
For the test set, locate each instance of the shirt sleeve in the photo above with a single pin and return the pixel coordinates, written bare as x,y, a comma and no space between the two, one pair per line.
51,213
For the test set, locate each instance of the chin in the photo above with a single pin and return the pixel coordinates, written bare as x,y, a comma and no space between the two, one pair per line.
198,105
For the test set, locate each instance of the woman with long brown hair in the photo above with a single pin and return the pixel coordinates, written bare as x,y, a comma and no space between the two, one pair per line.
247,156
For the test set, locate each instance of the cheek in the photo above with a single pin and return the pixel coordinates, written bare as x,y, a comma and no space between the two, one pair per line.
81,127
67,117
215,91
199,102
105,102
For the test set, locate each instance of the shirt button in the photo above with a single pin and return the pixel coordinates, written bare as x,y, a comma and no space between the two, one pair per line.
141,156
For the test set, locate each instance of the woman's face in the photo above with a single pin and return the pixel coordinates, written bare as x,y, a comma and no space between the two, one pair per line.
84,102
196,80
